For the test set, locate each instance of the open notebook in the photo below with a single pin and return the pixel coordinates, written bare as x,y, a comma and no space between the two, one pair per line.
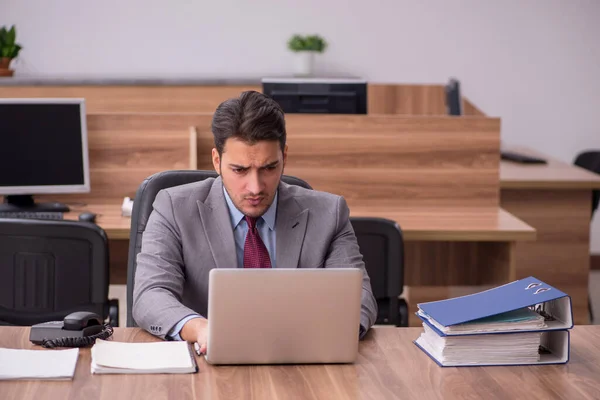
110,357
37,364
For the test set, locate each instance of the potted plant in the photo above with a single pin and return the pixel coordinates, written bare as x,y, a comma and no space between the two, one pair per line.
9,49
305,48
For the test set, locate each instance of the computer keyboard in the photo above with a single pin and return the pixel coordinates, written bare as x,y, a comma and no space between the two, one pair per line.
521,158
54,215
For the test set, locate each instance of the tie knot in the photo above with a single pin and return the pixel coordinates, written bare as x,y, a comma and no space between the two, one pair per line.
251,221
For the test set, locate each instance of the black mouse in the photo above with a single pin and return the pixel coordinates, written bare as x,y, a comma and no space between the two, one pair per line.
87,217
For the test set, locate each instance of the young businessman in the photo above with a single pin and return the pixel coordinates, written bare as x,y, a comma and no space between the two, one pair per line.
246,218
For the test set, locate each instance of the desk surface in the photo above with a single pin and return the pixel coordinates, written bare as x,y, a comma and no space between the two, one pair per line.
554,175
454,224
389,366
450,224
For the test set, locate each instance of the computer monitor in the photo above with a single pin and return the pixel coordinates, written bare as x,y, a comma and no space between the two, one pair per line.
453,98
43,150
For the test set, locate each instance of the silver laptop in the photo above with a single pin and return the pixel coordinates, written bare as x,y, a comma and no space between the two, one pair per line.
283,316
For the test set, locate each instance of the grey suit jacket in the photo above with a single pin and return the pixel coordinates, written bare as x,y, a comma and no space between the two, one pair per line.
189,233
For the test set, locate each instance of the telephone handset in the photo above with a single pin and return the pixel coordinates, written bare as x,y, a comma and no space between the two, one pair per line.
78,329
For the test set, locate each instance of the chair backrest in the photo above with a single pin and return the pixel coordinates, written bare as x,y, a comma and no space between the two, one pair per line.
590,160
142,208
382,246
49,269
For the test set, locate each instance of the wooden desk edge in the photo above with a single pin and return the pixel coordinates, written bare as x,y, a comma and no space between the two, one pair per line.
471,236
425,235
576,178
537,184
117,234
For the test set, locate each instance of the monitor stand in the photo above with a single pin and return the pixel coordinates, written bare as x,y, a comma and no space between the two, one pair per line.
26,203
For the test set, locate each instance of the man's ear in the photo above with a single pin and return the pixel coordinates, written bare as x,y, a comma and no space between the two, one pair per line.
216,159
285,149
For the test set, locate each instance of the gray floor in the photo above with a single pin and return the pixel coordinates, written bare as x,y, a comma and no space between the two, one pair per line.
119,292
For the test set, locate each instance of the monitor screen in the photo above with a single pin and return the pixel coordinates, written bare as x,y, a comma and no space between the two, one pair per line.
43,146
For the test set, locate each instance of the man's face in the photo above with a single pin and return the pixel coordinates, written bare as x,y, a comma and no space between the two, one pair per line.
250,173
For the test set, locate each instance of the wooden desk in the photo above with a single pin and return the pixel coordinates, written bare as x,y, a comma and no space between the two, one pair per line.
389,366
554,175
555,199
453,224
444,248
484,224
108,217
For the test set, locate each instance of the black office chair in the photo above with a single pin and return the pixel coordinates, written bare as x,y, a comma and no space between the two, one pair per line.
590,160
49,269
142,207
381,244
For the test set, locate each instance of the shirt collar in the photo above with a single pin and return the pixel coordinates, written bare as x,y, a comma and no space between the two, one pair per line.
236,215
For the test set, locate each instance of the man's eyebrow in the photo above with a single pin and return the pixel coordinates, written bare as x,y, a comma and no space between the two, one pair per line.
271,164
238,166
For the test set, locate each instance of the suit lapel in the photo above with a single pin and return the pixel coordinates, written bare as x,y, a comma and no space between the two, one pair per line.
290,229
217,225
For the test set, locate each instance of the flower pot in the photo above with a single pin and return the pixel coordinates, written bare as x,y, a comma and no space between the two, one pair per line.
4,63
304,63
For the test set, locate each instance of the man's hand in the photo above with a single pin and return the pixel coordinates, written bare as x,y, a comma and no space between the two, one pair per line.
196,330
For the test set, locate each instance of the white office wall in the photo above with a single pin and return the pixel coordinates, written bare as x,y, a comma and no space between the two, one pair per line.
534,63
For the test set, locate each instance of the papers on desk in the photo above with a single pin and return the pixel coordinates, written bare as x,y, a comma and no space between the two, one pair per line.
38,364
110,357
523,322
517,348
126,207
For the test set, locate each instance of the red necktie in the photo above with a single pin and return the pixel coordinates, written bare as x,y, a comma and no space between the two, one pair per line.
256,254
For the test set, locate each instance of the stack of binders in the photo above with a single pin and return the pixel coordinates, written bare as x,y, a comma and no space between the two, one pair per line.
525,322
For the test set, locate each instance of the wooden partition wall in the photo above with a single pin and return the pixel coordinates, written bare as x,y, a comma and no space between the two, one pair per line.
396,99
137,98
392,161
381,98
374,161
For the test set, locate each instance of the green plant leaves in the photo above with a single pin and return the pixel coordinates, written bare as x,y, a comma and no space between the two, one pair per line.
11,35
8,46
307,43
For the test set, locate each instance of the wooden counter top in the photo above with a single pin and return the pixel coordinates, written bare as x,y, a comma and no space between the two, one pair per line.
554,175
417,224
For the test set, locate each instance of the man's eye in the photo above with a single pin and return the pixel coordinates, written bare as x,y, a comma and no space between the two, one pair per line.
239,170
271,167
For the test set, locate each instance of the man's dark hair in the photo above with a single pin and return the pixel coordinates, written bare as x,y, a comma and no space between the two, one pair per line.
251,118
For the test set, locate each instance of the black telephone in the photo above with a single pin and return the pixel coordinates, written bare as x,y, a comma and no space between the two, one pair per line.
78,329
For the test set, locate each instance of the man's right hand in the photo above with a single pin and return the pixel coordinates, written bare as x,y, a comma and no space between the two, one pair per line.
196,330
